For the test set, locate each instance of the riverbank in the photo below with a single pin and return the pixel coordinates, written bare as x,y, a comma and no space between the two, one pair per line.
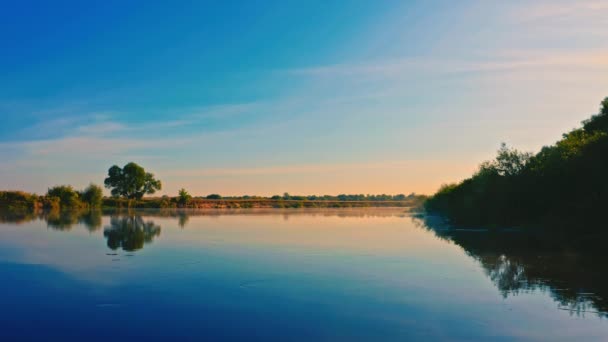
19,200
253,203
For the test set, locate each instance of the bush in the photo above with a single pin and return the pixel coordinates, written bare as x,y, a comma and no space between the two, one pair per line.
68,197
92,196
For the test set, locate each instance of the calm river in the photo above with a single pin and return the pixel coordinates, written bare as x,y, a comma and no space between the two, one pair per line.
345,274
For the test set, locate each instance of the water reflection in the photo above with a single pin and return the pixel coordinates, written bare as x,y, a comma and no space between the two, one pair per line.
55,219
570,269
18,216
62,219
520,261
130,232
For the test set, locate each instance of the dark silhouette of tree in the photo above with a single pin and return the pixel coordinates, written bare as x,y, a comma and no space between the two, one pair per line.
131,182
563,184
598,122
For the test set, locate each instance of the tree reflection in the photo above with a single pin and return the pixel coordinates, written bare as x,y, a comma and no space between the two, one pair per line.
568,267
55,219
183,219
91,219
62,219
66,219
130,232
18,216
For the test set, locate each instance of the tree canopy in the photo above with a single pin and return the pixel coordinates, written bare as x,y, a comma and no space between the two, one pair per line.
131,181
92,195
564,182
66,195
184,197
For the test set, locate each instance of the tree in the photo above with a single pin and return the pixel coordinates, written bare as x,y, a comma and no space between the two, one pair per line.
184,196
67,195
132,181
508,162
598,122
92,195
564,184
214,196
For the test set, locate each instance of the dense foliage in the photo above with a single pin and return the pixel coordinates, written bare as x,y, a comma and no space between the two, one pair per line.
18,200
66,194
132,181
60,196
92,195
563,183
183,197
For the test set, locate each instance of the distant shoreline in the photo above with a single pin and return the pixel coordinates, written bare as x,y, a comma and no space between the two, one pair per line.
253,203
20,200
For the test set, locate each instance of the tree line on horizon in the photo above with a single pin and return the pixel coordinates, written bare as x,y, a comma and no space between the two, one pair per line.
564,184
129,184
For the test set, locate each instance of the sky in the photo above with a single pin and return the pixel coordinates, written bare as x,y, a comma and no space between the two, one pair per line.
305,97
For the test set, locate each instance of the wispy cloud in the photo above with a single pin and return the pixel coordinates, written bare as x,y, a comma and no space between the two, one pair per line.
562,9
496,61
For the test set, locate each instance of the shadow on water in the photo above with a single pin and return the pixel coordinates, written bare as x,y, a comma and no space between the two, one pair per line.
570,268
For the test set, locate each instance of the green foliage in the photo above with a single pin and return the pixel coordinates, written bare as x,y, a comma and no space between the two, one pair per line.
184,197
18,200
68,197
50,203
598,122
509,162
166,202
214,197
92,195
131,182
565,181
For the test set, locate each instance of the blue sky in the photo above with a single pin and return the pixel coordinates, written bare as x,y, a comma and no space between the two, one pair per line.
304,97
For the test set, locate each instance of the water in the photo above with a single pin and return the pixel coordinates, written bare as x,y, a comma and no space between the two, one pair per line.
365,274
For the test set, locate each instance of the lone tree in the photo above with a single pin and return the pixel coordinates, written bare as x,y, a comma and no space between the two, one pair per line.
184,197
131,182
